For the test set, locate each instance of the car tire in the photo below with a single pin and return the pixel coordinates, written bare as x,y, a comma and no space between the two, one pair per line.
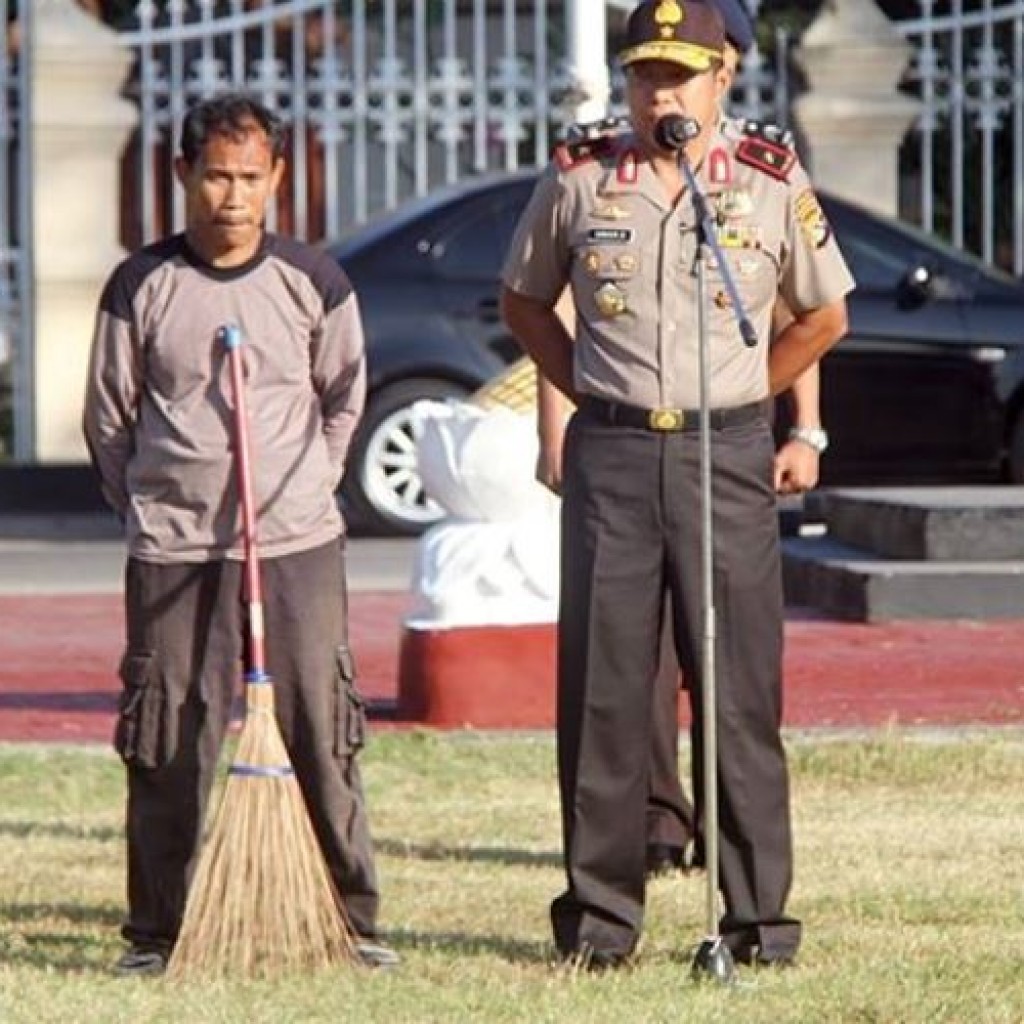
382,494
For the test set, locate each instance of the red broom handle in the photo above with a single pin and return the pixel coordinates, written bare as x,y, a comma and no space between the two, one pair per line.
257,669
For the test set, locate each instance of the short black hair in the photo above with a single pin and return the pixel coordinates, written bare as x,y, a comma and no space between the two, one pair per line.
232,114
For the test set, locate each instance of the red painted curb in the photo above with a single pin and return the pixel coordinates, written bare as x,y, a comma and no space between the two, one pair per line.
58,657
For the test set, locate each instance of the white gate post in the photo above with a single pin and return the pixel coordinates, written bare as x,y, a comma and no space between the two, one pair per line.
853,116
587,59
79,128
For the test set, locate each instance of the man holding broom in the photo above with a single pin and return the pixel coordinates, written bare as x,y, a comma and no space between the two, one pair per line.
157,421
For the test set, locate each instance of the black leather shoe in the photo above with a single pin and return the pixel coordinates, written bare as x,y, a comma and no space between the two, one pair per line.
594,961
141,962
664,859
373,953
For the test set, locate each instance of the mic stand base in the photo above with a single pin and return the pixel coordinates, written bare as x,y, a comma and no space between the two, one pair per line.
713,962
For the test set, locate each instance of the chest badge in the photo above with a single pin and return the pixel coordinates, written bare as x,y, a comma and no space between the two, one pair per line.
592,262
610,210
626,263
610,300
735,203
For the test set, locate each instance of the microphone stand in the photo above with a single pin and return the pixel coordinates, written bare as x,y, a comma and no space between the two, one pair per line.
713,958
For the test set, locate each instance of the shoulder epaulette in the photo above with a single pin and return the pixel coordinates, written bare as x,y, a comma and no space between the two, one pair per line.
585,142
768,148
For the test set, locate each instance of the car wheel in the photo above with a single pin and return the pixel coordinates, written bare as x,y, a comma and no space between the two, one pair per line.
382,492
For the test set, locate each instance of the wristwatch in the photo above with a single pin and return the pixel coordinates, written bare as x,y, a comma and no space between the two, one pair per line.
813,436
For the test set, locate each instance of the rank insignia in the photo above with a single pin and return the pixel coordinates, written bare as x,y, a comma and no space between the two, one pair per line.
811,218
722,300
592,262
610,300
773,160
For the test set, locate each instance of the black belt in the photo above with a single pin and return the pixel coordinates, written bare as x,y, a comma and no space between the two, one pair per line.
618,414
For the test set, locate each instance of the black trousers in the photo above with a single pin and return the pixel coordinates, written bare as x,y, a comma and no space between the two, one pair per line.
181,672
670,815
631,534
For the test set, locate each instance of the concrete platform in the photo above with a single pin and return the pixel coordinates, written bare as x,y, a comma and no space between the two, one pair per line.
956,524
853,584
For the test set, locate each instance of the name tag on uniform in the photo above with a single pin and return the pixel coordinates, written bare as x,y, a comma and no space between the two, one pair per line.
617,236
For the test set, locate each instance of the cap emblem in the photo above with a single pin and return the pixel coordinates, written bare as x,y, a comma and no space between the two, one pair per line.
668,14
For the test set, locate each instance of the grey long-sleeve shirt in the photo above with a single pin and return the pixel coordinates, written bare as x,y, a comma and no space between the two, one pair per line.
158,411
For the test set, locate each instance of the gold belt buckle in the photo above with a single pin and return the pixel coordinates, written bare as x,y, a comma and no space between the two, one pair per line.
665,419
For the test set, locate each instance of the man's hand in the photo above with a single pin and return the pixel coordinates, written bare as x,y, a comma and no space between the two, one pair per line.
796,468
549,466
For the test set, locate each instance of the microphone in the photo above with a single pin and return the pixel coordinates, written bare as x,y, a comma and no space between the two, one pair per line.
673,131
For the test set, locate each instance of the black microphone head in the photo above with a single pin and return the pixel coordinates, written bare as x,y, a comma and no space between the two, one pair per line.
673,131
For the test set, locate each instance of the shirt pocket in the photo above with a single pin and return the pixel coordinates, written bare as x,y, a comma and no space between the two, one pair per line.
754,274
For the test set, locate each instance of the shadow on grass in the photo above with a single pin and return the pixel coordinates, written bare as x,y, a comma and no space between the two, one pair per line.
60,830
472,854
66,941
518,951
77,914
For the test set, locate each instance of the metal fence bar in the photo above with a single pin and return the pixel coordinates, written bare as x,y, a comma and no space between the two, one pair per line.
1018,147
403,94
420,107
18,280
968,139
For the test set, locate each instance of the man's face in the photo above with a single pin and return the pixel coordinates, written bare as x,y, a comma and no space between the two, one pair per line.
655,88
227,190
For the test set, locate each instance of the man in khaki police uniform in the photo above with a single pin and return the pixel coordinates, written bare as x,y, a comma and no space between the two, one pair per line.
612,219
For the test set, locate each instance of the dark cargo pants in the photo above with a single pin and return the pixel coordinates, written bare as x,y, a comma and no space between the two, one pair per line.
181,672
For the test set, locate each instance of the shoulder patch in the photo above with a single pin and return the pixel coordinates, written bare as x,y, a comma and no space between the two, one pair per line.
586,142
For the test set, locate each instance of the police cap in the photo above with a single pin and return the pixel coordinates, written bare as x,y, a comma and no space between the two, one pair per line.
739,26
686,32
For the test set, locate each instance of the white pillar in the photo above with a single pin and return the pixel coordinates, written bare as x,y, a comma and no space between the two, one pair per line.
587,56
79,127
853,117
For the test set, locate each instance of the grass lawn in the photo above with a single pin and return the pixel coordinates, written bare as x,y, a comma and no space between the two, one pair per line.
910,882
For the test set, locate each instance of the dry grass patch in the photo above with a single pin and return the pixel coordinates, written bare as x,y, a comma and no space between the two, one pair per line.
908,879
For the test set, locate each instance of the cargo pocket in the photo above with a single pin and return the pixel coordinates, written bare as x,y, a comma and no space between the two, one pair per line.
350,708
139,733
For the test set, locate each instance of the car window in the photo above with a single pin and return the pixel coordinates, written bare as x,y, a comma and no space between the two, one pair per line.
474,247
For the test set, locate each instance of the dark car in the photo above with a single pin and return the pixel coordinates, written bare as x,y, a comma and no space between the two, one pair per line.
927,387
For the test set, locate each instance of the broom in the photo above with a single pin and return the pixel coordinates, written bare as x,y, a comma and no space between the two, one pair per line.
262,901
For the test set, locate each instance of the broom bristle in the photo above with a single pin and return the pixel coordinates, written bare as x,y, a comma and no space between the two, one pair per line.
261,902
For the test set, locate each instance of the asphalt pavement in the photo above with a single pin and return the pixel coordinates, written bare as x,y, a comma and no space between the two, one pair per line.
84,555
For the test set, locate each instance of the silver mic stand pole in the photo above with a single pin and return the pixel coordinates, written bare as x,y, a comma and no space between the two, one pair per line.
713,958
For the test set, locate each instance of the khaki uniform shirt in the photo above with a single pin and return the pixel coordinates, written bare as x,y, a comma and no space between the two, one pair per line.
605,227
158,415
